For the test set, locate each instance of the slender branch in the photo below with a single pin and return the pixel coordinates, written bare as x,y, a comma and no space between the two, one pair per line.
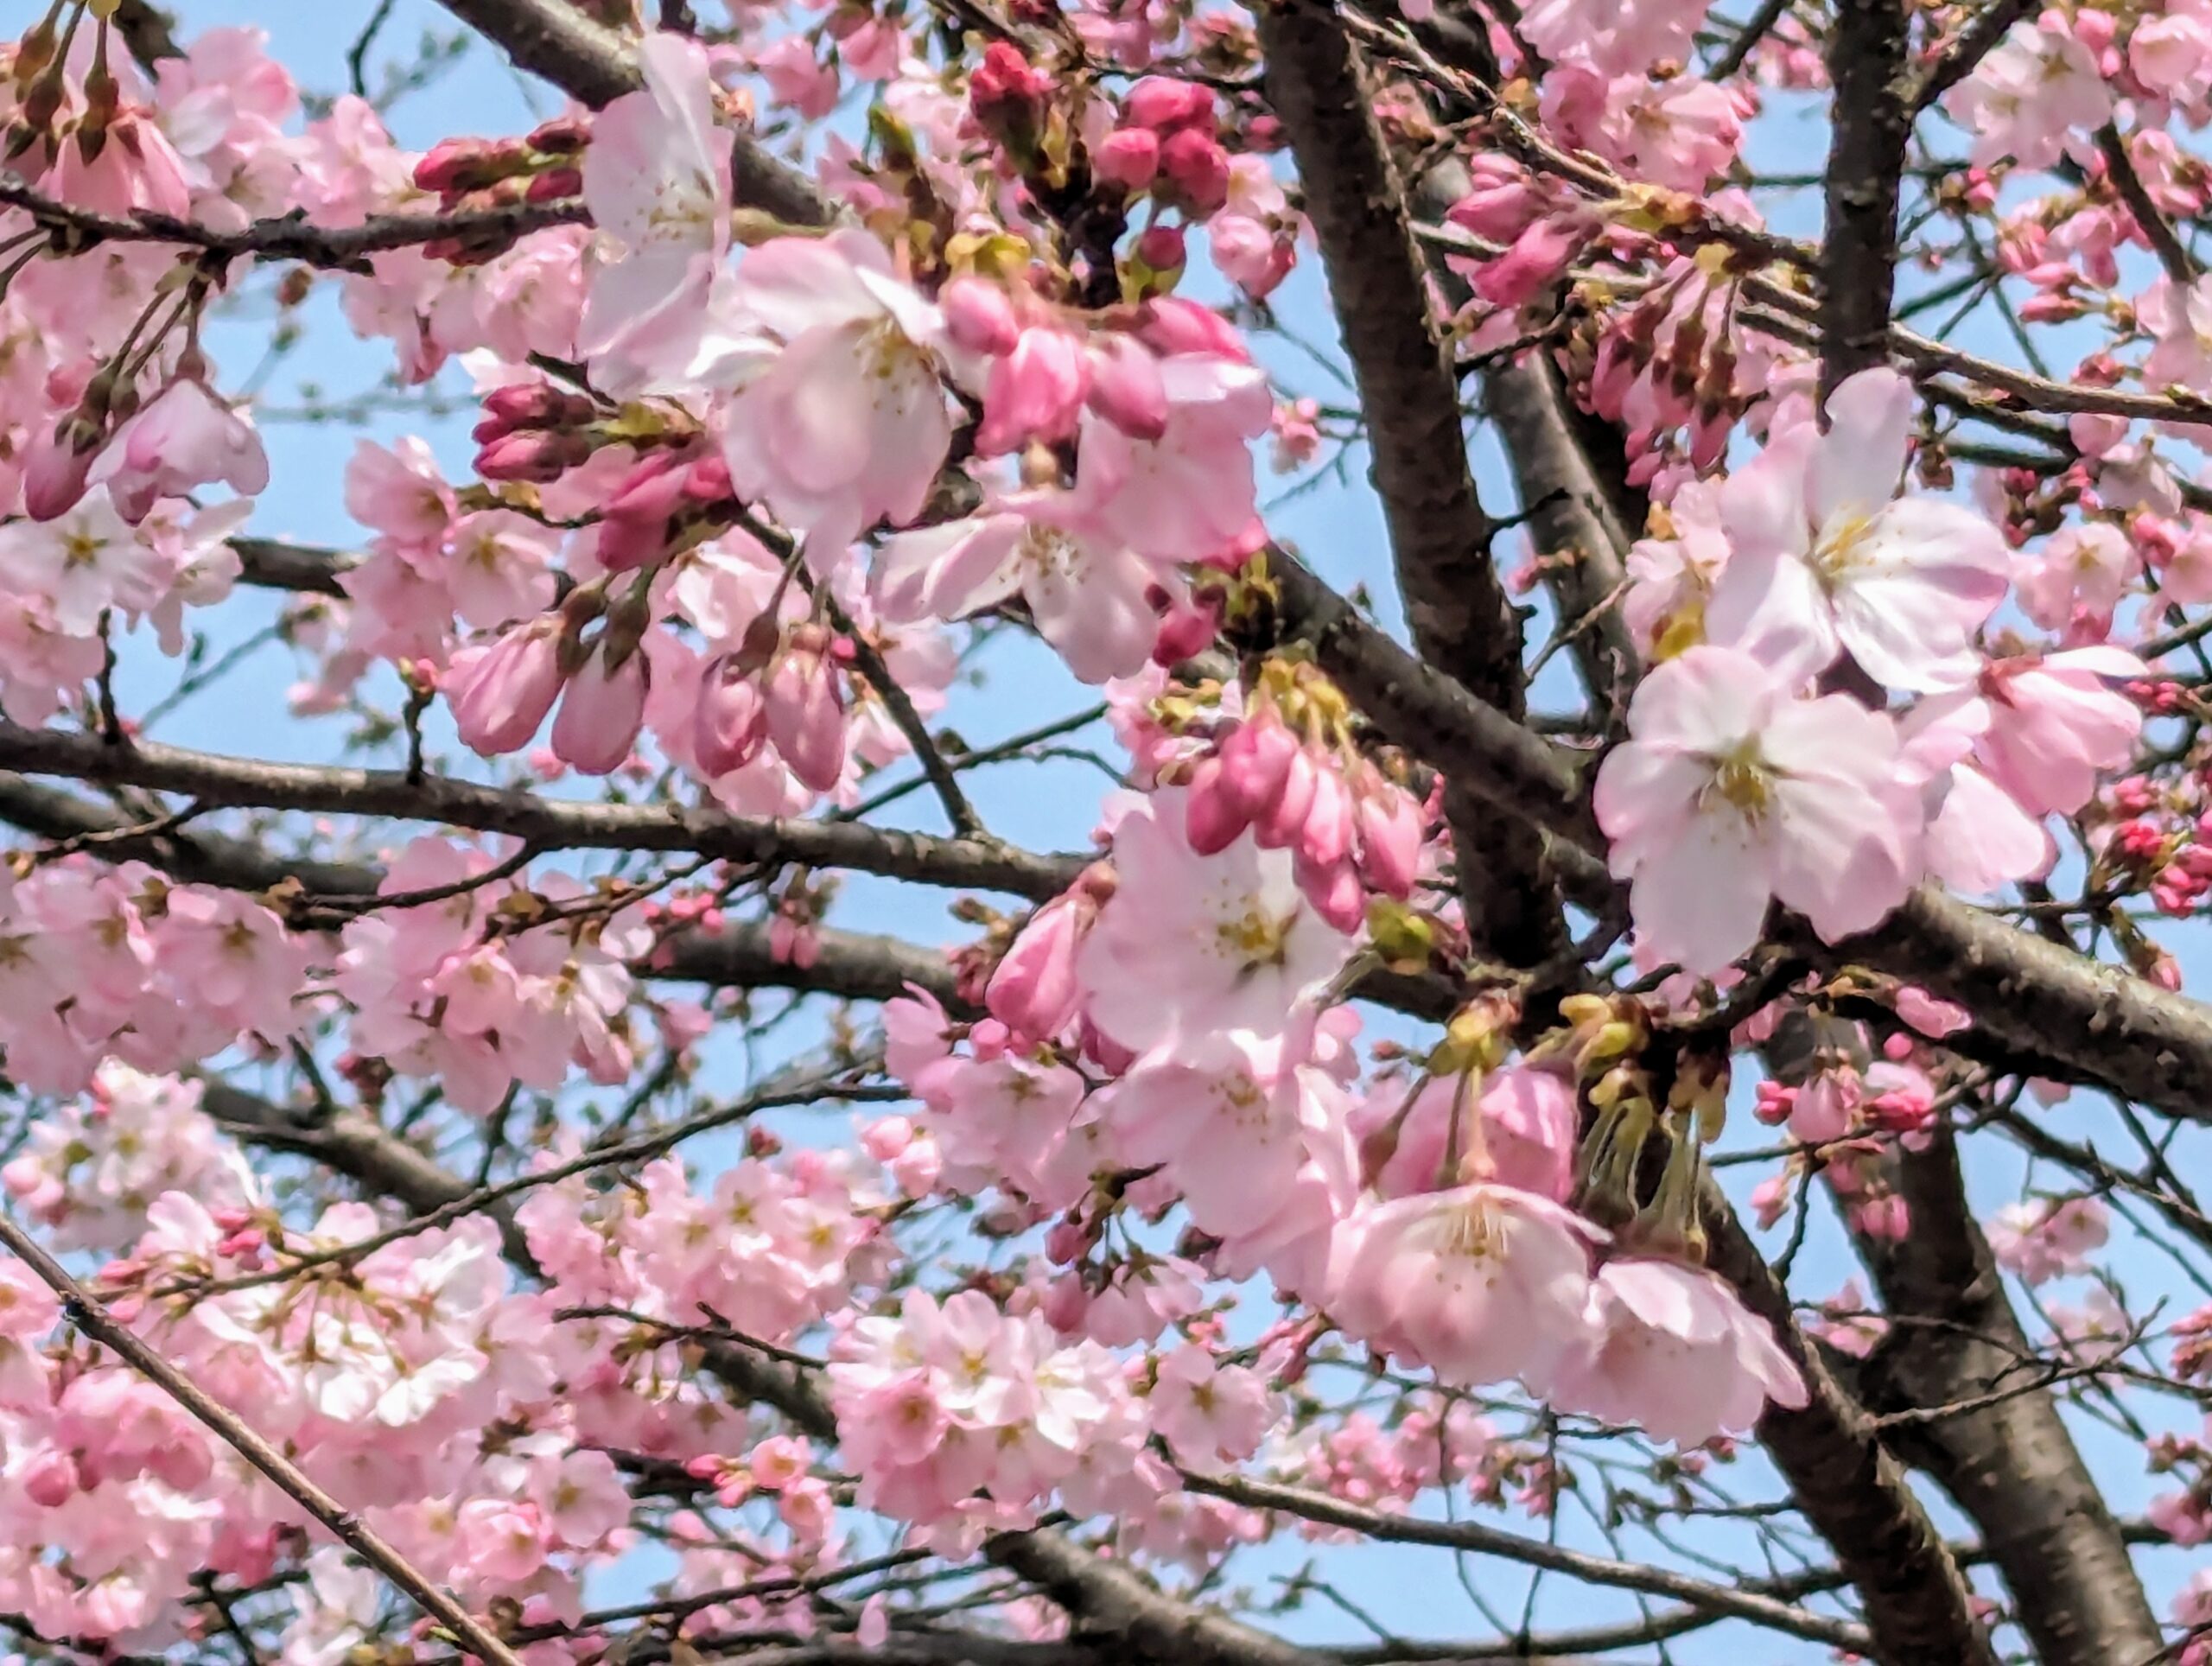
2158,230
291,237
85,1311
1735,1603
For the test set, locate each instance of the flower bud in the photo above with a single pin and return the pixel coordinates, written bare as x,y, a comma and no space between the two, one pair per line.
600,713
499,695
729,723
979,315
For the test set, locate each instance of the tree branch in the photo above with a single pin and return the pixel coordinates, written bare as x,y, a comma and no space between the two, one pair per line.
291,237
2011,1465
1869,128
595,66
1440,535
1919,1607
551,824
1734,1603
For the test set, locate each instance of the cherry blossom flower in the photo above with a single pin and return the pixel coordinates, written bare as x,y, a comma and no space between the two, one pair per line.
846,424
1823,563
1478,1283
1729,793
1676,1352
1192,944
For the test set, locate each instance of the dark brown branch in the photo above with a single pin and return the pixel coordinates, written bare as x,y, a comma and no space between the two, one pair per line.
273,564
1439,535
1732,1602
2103,1024
2006,1458
292,236
550,824
1869,126
2158,230
149,33
1967,48
1919,1607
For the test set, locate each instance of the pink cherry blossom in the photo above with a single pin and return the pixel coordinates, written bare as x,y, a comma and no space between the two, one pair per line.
1824,562
1674,1351
1194,944
1478,1283
1729,793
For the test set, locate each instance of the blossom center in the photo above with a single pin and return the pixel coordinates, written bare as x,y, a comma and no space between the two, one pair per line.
1254,937
1841,544
1743,779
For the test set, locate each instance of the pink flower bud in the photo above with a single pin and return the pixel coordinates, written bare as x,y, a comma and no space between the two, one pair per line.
807,717
1334,892
55,470
730,721
499,695
1329,823
1193,174
1163,248
1168,105
456,165
1170,325
1280,824
1035,392
1212,819
1538,255
1007,95
1129,158
554,184
979,315
1391,830
708,480
1035,991
633,525
1187,630
1126,388
1255,761
50,1479
529,405
538,456
601,714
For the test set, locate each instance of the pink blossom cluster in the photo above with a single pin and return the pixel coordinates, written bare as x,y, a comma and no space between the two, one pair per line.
99,963
1737,789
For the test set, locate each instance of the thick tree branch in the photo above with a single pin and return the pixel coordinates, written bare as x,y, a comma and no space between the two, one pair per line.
1869,126
1439,535
1919,1607
2011,1465
2103,1024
